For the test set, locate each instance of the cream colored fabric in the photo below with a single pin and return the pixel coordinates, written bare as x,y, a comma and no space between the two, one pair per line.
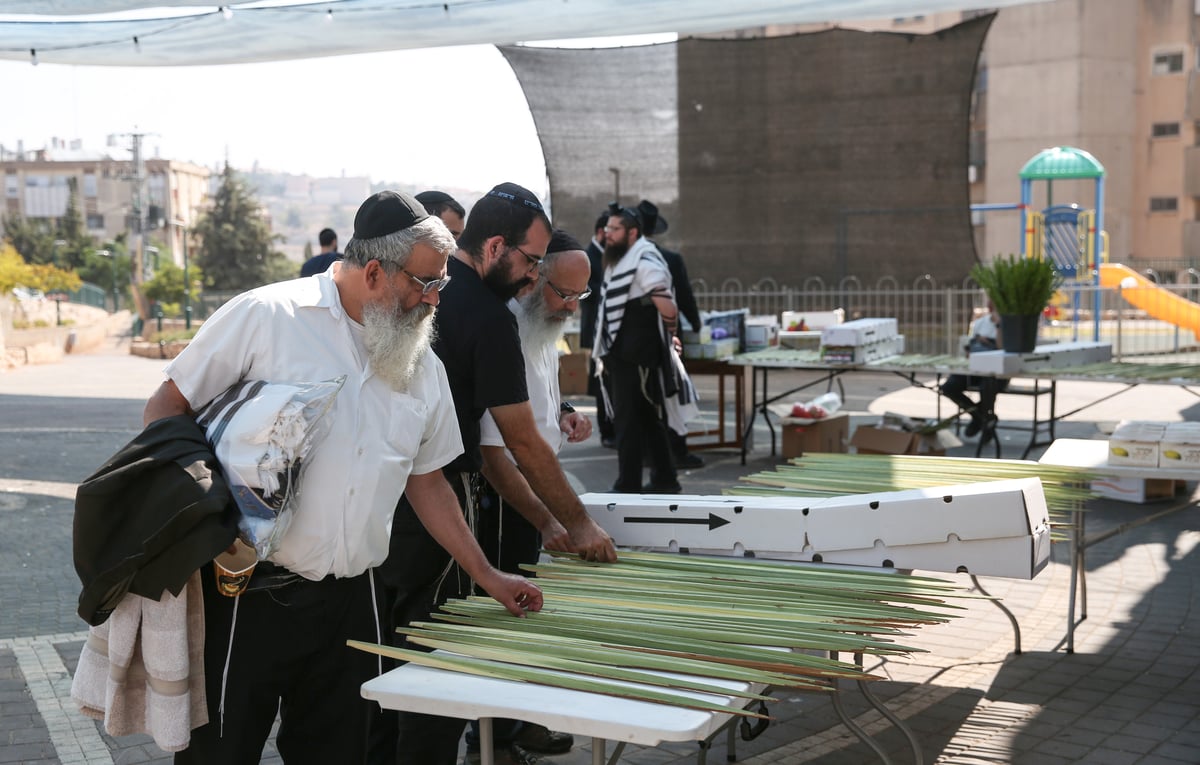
142,671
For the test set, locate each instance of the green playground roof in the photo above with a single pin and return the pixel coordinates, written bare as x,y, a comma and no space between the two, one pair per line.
1062,162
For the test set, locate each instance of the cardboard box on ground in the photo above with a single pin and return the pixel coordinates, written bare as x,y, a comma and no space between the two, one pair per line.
898,434
573,371
801,435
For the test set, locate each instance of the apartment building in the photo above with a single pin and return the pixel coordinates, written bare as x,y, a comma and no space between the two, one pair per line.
1117,78
37,185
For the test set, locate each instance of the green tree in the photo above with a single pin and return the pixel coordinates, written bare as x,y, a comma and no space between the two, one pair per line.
32,238
63,241
72,242
235,249
167,285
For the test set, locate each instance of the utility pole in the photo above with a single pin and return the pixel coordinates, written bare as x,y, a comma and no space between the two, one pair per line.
137,219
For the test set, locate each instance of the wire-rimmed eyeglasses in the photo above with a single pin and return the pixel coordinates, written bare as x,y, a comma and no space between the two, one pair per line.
567,297
428,285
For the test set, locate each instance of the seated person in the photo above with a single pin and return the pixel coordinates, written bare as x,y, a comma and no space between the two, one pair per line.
985,336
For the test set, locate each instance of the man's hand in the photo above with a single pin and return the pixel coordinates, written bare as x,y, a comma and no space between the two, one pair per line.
515,593
577,426
592,542
555,536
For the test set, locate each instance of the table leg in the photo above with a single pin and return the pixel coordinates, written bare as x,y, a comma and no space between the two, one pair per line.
1011,618
487,744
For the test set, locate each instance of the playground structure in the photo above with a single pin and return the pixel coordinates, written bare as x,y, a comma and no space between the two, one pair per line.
1074,240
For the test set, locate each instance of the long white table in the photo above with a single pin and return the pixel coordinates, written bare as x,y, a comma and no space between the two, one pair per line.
413,688
1092,455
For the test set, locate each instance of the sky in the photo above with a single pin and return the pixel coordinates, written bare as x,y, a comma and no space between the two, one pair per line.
322,117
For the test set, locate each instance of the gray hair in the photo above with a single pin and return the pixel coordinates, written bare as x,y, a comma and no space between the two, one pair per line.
393,251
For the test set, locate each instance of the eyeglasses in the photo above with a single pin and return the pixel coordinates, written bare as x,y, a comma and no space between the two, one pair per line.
568,297
429,285
534,262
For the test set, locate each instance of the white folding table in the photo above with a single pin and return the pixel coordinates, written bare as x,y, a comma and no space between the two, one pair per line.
413,688
1092,455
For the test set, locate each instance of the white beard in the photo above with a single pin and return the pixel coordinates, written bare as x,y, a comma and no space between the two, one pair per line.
539,327
397,340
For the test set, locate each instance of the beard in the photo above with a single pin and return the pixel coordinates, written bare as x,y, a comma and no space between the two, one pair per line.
397,340
538,325
501,283
614,251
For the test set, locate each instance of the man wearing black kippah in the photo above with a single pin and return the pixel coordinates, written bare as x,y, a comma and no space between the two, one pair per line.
446,207
279,647
502,245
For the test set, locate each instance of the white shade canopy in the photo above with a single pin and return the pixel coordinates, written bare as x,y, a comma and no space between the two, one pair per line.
186,33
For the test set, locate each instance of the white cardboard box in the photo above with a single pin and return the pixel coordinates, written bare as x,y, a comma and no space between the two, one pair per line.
1136,490
997,528
1180,446
1135,442
862,354
1048,356
859,332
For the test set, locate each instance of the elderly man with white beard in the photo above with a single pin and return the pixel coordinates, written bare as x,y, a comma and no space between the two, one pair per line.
392,429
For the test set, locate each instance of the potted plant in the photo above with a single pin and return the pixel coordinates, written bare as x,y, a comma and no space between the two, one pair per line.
1021,288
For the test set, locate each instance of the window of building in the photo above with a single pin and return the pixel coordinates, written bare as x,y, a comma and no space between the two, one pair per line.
1168,62
1164,204
89,185
95,222
1165,130
12,187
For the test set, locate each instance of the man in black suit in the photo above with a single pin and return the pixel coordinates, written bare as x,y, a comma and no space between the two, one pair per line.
686,300
587,327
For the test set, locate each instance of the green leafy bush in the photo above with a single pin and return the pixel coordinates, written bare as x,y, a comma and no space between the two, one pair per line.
1018,286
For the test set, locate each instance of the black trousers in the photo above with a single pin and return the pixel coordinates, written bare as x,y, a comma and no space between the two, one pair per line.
637,400
413,587
955,386
288,654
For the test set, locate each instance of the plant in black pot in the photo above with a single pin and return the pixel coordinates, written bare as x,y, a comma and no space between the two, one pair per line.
1021,288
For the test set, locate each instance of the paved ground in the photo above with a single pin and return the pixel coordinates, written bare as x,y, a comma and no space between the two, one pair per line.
1129,694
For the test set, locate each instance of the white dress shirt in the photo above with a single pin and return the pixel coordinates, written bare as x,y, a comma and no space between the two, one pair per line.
541,378
297,331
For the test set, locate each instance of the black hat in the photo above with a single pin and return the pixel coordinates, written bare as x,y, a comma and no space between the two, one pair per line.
655,224
517,195
430,198
561,241
386,213
632,213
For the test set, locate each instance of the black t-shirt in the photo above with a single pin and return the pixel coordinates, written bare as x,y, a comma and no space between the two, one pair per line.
478,343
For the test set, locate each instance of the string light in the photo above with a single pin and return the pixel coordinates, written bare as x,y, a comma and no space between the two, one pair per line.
137,45
33,56
226,11
329,15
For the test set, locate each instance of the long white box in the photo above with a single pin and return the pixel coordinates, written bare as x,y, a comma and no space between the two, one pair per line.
1049,356
998,528
859,332
862,354
1136,443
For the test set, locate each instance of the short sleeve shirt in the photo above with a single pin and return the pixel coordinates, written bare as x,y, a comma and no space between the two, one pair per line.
477,341
295,332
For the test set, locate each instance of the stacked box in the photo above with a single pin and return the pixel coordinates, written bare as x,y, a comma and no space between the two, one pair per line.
1180,446
862,354
573,373
1136,443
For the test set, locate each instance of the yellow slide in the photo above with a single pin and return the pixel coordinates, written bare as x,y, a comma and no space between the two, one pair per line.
1148,296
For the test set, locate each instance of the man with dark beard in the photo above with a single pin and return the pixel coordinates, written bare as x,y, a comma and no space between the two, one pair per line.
501,247
513,524
281,645
636,322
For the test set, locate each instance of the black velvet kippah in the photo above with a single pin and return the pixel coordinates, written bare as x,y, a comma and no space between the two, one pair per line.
386,213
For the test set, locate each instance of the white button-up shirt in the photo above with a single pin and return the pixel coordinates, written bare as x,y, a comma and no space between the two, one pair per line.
297,332
541,379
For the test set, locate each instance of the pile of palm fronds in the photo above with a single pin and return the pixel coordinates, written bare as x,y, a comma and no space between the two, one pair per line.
833,475
604,626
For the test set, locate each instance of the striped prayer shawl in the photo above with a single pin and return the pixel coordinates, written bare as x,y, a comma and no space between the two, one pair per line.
617,290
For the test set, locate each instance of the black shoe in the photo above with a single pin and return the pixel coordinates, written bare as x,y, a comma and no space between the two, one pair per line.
989,428
608,443
689,461
513,754
671,488
973,427
540,739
